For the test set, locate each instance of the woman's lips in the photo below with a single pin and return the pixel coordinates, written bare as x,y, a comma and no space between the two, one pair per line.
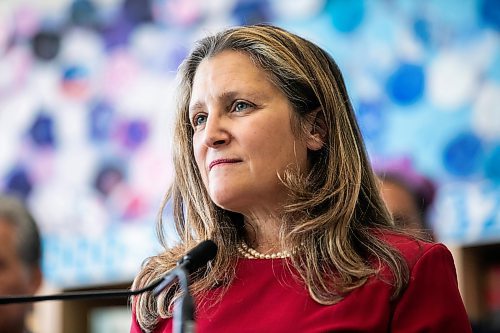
222,161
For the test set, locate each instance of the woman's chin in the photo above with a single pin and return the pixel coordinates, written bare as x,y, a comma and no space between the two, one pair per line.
229,206
228,202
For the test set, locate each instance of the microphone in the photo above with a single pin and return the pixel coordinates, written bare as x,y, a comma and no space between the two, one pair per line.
197,257
184,321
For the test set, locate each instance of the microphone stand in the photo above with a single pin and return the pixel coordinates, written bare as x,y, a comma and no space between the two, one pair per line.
183,321
184,307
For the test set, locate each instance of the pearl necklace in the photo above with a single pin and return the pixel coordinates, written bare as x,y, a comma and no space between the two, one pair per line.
249,253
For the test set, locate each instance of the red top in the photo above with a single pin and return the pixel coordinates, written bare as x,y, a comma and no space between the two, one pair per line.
264,297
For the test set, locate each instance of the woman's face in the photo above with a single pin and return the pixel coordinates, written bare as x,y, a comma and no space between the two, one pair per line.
242,134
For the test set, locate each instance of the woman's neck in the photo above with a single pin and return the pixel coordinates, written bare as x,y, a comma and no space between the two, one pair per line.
263,232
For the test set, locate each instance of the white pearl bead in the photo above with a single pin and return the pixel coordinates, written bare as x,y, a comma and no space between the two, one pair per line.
249,253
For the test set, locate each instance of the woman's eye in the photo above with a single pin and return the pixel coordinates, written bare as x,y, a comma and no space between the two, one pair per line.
241,106
199,119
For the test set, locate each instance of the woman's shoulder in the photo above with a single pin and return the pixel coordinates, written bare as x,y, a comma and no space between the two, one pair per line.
413,248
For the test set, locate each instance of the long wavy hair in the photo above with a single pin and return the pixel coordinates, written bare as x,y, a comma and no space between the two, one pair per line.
335,214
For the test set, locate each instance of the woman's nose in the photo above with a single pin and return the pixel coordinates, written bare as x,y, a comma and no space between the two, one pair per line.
216,131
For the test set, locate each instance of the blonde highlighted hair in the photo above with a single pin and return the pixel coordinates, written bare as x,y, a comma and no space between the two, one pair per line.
336,210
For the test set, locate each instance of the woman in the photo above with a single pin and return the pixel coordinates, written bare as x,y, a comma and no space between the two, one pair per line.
271,166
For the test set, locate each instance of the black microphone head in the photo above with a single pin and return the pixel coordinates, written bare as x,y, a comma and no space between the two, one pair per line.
199,256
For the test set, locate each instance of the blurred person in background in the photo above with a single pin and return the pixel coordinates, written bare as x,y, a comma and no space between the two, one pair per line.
20,255
408,195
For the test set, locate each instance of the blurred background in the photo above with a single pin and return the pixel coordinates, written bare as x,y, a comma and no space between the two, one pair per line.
87,100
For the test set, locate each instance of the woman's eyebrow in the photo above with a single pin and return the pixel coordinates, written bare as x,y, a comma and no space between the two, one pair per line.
224,96
196,107
228,96
245,94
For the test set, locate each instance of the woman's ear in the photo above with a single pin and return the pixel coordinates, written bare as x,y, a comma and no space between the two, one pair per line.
316,130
